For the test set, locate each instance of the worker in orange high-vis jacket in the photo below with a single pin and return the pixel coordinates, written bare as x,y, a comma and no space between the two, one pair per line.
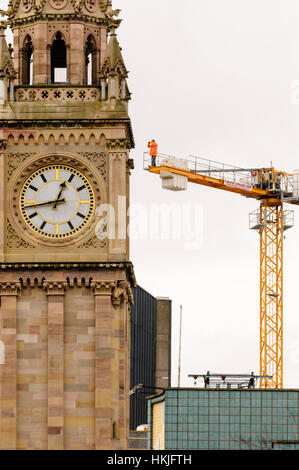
153,146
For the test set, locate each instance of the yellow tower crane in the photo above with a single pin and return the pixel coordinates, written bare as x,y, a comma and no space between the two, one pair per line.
272,188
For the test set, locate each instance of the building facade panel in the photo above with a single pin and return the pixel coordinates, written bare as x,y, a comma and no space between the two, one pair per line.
228,419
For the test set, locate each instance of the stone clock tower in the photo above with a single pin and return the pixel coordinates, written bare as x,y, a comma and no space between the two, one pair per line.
65,288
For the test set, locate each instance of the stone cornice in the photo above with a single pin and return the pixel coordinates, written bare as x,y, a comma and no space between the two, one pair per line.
55,17
127,266
29,123
69,123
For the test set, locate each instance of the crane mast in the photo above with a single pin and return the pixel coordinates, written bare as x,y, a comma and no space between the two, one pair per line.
271,293
272,188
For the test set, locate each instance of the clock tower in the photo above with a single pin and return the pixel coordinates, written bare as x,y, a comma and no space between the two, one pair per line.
65,274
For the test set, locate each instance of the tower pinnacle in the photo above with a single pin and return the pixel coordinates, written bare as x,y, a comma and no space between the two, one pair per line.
7,71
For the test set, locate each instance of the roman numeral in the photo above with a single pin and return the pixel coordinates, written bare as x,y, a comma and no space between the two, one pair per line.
33,187
43,224
71,178
32,215
71,225
81,215
81,187
43,178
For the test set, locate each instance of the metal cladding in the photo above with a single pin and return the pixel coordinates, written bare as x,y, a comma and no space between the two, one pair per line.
143,353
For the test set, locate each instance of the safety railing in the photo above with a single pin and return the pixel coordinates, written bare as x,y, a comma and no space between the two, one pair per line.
257,220
265,178
228,380
200,165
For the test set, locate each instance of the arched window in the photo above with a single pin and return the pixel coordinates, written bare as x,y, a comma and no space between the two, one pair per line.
27,61
58,60
91,61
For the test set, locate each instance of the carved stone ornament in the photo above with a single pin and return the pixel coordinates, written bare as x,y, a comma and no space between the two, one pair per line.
57,94
118,144
14,160
39,5
55,287
103,287
101,229
3,145
10,288
13,240
122,292
103,5
58,4
77,5
91,5
99,160
94,242
26,5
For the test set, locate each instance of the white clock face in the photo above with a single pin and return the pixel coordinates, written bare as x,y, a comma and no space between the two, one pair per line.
57,201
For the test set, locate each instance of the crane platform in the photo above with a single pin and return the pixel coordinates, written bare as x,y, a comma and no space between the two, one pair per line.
257,183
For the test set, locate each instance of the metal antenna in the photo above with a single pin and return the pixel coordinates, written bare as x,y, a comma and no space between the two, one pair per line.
180,349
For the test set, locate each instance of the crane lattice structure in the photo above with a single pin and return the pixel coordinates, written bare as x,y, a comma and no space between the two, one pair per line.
272,188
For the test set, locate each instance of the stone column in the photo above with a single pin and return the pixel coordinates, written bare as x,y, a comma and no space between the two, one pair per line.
122,299
105,373
97,66
68,64
3,93
112,86
76,56
11,90
117,159
3,145
103,89
8,370
40,61
16,54
48,62
55,292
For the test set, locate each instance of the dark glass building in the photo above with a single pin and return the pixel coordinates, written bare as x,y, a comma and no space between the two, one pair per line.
150,364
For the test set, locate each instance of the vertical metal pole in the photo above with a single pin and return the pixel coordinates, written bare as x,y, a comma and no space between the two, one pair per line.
180,349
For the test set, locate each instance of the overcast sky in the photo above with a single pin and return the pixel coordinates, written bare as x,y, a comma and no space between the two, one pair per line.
215,78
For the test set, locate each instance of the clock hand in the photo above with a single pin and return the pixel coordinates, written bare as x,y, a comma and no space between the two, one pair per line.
60,201
62,188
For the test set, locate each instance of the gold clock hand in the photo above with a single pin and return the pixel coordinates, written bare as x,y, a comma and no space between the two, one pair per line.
60,201
62,188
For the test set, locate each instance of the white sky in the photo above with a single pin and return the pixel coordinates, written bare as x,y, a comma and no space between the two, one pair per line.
214,78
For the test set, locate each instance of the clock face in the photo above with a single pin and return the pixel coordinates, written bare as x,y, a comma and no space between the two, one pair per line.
57,201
